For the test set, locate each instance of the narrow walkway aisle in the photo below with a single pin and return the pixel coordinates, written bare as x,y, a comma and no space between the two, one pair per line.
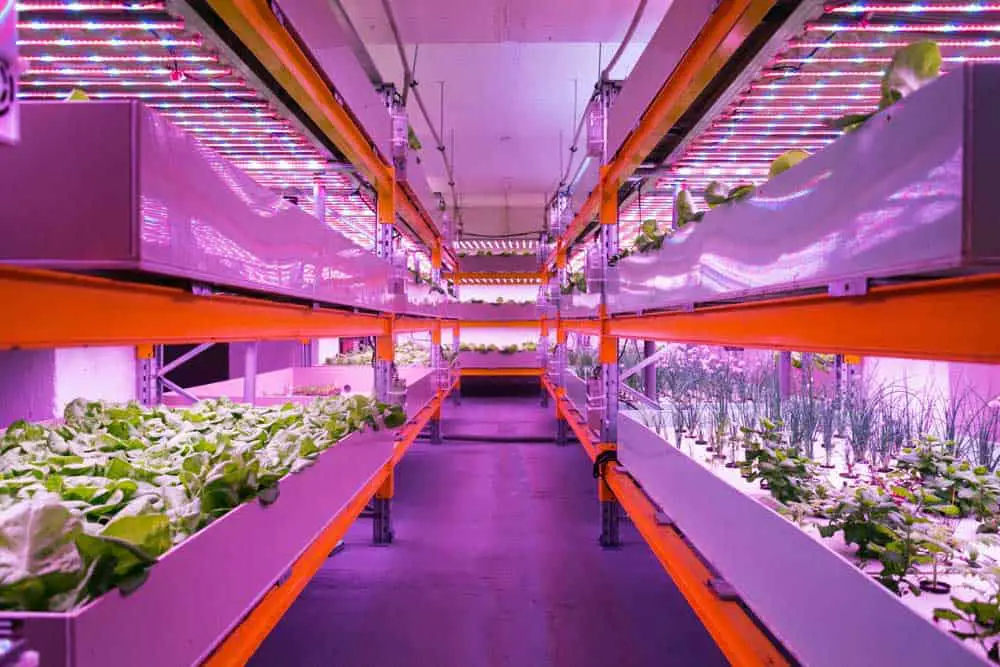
495,564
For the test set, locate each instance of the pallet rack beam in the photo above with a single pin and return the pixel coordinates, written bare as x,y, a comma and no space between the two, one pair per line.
501,372
739,637
952,319
501,324
723,33
496,277
54,309
238,647
261,32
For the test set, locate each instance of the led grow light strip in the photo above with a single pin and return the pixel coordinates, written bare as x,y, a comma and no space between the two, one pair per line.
871,59
119,71
916,8
893,44
112,95
247,106
100,25
112,42
904,27
129,83
71,58
91,6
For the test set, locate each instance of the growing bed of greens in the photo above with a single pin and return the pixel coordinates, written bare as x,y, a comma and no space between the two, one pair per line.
902,483
912,67
88,505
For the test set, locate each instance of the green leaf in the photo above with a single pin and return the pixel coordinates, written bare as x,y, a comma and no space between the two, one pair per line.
947,615
714,194
912,67
740,192
150,532
38,557
786,161
851,121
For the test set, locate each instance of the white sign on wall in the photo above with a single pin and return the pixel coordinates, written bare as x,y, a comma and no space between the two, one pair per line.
9,125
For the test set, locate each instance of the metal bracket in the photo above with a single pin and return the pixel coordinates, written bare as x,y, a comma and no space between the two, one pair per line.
850,287
723,589
202,289
283,578
663,519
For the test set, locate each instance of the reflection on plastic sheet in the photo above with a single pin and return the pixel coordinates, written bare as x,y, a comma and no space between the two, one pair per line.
155,225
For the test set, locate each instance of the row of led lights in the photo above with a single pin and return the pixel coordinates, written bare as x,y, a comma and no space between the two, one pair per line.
247,131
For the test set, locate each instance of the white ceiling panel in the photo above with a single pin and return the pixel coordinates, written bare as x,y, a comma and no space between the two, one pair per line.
517,75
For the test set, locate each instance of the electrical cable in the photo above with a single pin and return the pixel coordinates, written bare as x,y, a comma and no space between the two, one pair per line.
625,42
410,83
629,33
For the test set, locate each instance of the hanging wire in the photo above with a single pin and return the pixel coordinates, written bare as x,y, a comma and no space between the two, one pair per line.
410,83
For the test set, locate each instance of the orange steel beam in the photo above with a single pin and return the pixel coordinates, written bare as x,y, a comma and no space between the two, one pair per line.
55,309
588,327
501,324
952,319
410,209
501,372
415,324
239,646
465,277
739,637
720,37
253,22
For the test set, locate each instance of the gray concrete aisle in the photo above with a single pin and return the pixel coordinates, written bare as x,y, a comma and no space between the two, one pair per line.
495,564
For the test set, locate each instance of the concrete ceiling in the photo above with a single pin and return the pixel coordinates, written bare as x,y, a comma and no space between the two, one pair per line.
516,76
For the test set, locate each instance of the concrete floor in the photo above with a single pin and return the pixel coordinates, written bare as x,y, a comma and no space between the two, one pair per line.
495,563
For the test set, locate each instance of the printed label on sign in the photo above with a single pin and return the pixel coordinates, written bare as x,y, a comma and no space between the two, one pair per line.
9,117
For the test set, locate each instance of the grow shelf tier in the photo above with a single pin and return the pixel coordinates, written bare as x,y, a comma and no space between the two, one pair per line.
489,312
822,608
905,196
199,591
496,360
138,194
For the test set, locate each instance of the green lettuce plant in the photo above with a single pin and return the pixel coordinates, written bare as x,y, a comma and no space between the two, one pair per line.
912,67
88,505
789,475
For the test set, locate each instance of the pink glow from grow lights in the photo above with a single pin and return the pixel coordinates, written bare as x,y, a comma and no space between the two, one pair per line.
119,71
112,42
905,27
88,83
91,6
70,58
916,8
892,44
100,25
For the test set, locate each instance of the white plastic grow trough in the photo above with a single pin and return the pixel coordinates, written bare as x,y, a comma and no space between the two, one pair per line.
908,195
201,589
279,386
821,607
136,194
493,312
491,360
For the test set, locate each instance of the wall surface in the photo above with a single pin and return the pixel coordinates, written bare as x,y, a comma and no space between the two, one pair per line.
37,384
27,380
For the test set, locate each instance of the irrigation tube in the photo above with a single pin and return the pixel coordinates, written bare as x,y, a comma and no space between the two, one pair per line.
604,77
408,84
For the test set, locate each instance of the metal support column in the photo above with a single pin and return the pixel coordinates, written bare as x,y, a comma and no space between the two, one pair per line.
382,533
148,387
383,361
441,379
608,356
784,375
250,373
649,372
